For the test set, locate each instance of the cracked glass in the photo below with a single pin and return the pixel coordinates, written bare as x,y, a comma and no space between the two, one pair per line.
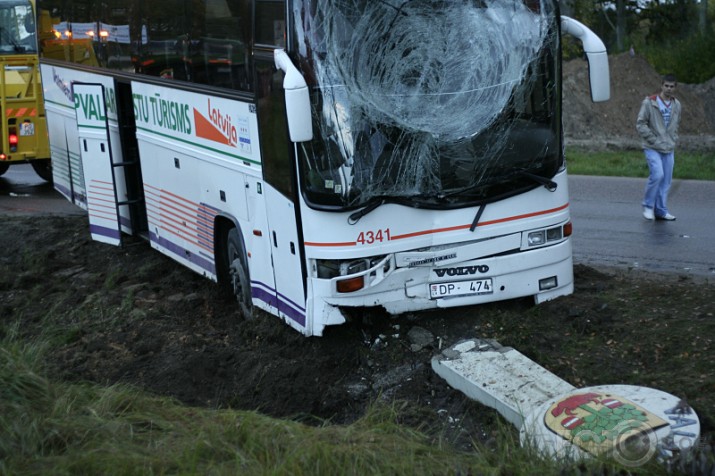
432,104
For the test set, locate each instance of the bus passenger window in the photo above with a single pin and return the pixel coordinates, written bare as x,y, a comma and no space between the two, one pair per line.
271,22
224,47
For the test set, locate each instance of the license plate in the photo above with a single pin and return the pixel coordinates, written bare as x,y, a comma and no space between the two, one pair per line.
27,129
460,288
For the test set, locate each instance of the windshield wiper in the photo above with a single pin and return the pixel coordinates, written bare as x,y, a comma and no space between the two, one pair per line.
5,34
475,222
373,204
550,185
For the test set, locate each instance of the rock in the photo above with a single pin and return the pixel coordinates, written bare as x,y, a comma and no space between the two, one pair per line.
419,338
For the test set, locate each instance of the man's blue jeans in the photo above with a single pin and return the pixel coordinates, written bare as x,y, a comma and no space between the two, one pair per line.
661,176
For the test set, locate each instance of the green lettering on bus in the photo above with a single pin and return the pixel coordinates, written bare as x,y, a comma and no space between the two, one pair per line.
91,105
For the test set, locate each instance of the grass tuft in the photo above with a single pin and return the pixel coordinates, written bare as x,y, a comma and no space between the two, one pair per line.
49,427
631,163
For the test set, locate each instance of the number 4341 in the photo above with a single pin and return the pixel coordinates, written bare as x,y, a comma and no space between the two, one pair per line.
371,237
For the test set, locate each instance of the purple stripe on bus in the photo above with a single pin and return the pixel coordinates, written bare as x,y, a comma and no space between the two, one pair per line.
263,295
270,299
181,252
288,300
282,303
104,231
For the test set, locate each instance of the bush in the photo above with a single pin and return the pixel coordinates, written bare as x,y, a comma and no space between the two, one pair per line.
692,59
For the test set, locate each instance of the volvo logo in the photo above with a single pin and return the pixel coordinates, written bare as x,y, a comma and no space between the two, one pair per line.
461,271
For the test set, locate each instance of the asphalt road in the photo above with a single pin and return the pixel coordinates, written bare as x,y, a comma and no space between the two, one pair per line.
23,193
606,212
609,227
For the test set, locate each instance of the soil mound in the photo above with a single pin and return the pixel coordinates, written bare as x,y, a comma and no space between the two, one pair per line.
611,124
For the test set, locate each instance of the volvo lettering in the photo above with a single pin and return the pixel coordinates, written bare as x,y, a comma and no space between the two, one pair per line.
463,271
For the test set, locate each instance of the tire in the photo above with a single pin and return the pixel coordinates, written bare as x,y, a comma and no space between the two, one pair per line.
238,273
3,167
43,168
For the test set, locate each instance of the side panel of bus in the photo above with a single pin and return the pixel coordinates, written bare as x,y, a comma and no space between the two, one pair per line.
65,148
200,162
193,168
62,126
201,159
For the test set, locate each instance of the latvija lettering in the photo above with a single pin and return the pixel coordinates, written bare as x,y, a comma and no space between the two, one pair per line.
223,123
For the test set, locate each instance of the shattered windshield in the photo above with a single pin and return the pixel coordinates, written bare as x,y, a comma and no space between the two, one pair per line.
425,102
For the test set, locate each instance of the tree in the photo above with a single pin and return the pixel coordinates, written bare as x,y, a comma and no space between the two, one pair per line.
703,17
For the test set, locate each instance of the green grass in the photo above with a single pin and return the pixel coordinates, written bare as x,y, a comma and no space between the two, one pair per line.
631,163
51,427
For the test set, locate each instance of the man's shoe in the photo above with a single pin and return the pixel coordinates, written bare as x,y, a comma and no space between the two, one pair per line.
666,217
648,213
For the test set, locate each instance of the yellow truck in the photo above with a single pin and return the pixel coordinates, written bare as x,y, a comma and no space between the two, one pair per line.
24,128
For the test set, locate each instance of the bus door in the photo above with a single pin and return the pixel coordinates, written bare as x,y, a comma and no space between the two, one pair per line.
127,162
96,154
287,263
277,153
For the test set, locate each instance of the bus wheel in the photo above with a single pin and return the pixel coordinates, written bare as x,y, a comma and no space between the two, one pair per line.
238,271
3,167
43,168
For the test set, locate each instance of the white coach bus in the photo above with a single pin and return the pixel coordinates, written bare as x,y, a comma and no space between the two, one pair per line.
319,155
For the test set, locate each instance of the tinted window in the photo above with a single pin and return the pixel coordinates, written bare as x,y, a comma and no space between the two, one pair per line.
203,41
270,22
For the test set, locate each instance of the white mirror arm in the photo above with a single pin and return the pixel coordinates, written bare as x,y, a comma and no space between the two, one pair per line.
596,54
293,79
297,97
591,42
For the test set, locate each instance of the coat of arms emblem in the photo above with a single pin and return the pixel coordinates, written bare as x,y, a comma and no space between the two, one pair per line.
595,422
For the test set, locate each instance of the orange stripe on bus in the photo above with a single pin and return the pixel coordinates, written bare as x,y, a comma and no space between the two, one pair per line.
349,243
179,198
451,228
484,223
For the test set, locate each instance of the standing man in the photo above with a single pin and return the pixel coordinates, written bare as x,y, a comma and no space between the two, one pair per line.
657,124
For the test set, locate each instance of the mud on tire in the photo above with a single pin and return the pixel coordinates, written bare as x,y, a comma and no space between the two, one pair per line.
238,273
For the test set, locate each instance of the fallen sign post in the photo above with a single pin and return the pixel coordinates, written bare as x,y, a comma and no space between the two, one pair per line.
632,424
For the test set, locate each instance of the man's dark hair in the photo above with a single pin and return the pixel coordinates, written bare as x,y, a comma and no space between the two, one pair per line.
669,78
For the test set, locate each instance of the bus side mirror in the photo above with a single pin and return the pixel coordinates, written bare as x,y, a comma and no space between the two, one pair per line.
300,124
596,55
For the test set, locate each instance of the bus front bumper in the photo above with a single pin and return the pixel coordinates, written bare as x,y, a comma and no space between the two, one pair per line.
543,273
